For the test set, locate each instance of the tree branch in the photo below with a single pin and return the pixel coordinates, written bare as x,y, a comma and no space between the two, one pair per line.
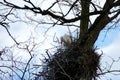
101,21
38,10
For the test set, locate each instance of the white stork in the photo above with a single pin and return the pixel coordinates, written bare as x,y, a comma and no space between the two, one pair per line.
66,40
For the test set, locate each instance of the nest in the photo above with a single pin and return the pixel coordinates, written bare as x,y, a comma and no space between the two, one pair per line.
72,63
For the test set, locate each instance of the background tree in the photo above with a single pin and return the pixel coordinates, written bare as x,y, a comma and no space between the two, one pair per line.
72,12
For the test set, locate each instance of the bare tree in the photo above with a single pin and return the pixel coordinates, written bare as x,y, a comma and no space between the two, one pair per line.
72,12
107,14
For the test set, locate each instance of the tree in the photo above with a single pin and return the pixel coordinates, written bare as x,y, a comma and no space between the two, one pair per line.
81,11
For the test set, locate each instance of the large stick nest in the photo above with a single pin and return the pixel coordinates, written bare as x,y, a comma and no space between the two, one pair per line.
72,63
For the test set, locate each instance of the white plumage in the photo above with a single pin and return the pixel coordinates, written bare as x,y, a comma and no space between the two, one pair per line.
66,40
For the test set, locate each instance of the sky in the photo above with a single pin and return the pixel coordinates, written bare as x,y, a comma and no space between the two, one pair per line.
109,46
108,41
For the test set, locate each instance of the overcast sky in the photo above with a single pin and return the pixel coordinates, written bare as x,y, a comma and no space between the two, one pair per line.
108,42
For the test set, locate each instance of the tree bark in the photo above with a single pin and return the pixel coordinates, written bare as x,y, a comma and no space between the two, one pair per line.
84,22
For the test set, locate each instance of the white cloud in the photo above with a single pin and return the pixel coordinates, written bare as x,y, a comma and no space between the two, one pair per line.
114,48
110,52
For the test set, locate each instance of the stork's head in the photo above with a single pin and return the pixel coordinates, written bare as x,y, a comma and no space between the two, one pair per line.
66,40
